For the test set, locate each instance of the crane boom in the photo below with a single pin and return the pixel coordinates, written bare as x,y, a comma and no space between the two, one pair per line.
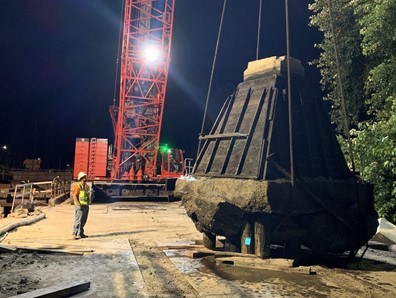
138,168
145,58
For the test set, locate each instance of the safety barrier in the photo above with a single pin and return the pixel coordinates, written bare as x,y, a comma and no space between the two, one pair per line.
54,188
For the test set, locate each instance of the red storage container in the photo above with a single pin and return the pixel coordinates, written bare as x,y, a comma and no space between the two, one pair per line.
91,157
81,156
97,158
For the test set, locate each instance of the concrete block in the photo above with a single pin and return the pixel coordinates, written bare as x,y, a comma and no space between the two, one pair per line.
275,63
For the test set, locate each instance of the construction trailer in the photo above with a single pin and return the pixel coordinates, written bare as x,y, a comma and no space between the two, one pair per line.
136,165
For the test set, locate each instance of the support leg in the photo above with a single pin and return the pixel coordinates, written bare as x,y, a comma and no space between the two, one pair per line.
209,240
233,243
247,244
293,251
262,238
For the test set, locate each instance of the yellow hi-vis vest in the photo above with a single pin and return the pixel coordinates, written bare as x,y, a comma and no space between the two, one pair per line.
83,195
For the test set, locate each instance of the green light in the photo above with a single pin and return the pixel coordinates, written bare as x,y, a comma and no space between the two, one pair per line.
164,148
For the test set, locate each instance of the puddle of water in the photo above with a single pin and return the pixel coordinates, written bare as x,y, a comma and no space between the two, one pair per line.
253,275
256,282
186,265
172,253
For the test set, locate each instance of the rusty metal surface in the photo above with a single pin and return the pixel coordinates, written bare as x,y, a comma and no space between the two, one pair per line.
252,129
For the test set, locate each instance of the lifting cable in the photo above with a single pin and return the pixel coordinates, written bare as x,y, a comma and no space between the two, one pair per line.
211,77
118,53
343,104
214,64
289,97
259,29
344,109
341,89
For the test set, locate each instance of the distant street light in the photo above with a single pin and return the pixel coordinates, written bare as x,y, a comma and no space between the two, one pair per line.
4,155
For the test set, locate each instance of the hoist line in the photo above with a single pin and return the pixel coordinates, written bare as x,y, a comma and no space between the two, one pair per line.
211,76
289,97
341,89
118,54
344,109
259,30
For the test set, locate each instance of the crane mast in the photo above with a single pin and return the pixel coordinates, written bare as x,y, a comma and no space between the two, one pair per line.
145,58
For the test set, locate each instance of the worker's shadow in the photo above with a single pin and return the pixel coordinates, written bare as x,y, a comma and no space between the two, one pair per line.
119,233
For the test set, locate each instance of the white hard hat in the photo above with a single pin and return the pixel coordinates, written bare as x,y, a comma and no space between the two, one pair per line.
81,175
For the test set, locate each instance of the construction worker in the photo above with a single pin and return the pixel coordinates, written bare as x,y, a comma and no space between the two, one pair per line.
174,167
81,197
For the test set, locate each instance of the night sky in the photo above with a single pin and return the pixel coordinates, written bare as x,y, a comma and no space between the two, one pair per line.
57,68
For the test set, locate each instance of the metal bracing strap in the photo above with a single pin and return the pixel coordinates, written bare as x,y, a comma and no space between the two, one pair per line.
331,207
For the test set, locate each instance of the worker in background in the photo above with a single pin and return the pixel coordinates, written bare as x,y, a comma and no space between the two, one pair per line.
137,162
174,167
81,197
140,163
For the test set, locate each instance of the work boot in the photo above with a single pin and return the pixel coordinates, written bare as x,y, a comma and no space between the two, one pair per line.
74,237
83,236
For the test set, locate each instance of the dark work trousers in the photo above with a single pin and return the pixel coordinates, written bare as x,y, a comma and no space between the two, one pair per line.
80,219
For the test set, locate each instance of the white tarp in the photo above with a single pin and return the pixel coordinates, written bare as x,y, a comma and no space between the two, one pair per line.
386,232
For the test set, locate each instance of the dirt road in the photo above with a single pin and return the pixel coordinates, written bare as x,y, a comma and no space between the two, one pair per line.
137,249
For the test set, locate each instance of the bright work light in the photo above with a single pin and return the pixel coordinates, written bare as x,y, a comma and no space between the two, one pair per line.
151,53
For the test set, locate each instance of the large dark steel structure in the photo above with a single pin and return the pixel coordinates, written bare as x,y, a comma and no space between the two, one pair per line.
243,188
251,132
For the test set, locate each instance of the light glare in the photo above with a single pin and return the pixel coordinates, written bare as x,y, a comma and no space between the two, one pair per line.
151,53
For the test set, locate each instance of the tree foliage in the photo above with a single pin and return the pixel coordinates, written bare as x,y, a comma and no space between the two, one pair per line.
352,62
375,151
365,32
377,21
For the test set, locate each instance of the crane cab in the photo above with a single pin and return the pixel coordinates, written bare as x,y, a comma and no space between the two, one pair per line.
171,163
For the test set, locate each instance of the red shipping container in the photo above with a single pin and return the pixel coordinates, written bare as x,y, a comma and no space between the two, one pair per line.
81,156
98,157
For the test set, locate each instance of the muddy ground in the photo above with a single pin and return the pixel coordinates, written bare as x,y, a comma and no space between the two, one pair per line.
143,249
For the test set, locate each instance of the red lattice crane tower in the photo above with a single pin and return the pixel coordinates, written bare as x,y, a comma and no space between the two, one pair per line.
145,58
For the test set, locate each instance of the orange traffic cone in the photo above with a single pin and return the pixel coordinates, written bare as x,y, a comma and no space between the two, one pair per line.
139,175
131,174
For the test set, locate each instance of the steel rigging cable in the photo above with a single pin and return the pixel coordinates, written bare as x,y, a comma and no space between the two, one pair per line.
344,109
289,98
211,77
214,64
118,53
259,29
341,89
